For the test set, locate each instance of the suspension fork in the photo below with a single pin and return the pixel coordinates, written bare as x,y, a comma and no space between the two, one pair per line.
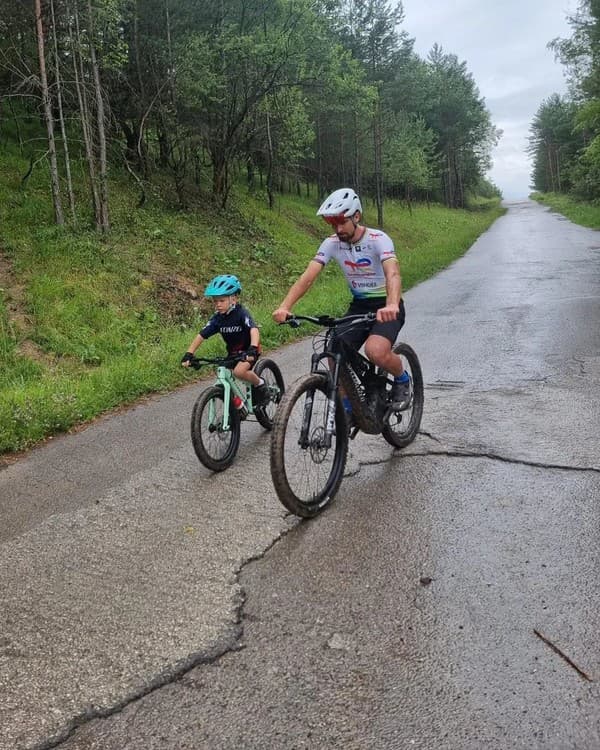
231,387
332,389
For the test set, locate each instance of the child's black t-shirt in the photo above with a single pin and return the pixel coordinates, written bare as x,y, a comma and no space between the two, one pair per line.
234,327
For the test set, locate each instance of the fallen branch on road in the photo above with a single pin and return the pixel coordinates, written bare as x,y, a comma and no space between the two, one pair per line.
579,671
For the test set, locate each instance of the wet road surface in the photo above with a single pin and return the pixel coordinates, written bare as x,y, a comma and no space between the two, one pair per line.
447,599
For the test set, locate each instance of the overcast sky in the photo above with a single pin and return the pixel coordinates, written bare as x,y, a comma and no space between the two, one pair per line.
504,46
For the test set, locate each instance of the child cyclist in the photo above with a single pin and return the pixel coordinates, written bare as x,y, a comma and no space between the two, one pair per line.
238,330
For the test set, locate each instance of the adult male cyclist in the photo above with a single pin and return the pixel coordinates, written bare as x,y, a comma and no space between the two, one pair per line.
368,260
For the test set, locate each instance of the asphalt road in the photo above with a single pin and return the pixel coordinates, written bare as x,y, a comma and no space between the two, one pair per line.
447,599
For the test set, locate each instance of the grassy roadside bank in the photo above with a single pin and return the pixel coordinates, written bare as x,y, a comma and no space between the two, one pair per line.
585,214
90,323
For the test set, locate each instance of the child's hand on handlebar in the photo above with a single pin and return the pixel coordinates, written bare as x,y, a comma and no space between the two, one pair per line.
186,359
252,354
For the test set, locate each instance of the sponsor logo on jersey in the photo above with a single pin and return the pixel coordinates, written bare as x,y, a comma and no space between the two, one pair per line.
231,329
359,265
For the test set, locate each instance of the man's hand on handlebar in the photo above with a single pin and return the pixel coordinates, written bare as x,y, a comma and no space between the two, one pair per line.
388,313
281,315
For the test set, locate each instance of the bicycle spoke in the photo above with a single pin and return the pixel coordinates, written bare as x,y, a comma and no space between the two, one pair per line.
402,426
306,469
215,430
269,371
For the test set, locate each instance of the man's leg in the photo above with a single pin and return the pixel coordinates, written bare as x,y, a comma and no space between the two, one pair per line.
378,349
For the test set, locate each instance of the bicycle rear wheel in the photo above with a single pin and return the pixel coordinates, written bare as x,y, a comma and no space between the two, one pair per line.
267,369
215,445
306,473
401,427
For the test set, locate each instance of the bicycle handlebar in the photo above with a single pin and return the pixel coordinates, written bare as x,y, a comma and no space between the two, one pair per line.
197,362
327,321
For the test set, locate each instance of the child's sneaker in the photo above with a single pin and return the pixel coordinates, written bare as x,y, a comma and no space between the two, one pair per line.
260,395
402,392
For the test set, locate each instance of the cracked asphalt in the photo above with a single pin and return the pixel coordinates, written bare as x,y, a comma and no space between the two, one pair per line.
447,599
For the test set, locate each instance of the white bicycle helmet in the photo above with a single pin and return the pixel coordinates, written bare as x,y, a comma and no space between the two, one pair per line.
342,202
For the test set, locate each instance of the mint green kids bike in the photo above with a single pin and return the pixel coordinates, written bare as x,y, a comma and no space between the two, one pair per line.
221,408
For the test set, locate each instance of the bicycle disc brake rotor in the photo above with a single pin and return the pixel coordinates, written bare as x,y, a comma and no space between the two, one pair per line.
316,446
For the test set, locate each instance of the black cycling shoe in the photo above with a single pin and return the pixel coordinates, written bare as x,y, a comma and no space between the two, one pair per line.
260,395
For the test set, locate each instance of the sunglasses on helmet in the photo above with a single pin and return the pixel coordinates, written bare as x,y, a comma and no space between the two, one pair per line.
336,220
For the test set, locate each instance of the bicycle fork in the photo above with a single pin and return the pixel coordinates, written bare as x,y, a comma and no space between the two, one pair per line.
309,434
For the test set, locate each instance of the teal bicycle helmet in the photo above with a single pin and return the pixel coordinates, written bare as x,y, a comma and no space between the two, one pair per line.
221,286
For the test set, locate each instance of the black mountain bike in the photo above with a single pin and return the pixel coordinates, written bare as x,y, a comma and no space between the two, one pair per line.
220,409
311,429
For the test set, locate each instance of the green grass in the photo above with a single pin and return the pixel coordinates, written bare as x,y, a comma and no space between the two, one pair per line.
88,323
585,214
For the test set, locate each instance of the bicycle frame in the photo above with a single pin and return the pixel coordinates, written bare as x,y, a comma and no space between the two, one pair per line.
231,387
338,361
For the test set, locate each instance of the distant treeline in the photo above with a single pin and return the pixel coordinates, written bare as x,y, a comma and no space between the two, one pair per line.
287,93
565,133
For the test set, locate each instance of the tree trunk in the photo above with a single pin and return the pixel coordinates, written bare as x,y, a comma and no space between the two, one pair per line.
377,136
450,179
17,126
103,163
61,118
86,128
320,186
220,168
138,149
250,179
58,212
270,165
356,179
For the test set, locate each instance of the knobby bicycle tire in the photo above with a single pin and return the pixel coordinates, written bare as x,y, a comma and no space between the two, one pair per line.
307,478
402,427
214,447
267,369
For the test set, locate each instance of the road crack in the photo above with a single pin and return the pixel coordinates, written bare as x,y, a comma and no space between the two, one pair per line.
229,642
466,453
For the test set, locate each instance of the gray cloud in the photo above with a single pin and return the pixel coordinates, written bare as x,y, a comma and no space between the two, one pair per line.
505,48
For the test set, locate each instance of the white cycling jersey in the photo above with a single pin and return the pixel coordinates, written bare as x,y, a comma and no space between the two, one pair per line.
362,262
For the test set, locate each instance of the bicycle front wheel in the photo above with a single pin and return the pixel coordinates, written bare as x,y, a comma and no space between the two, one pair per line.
306,471
401,427
214,444
270,372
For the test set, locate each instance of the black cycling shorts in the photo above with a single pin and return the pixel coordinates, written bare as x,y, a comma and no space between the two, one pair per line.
357,336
